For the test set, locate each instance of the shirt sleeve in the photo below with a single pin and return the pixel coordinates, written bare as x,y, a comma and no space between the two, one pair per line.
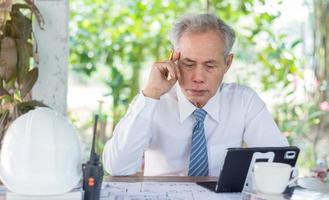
123,153
260,128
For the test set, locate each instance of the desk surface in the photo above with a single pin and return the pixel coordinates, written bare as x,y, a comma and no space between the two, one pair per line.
151,183
159,179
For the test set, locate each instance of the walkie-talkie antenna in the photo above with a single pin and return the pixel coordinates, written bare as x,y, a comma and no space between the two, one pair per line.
93,156
93,171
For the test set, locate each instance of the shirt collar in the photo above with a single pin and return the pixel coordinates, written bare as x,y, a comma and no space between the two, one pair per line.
186,108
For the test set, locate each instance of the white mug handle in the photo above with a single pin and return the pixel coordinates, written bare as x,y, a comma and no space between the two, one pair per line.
294,176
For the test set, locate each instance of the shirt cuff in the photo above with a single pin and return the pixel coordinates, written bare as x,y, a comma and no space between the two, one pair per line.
144,105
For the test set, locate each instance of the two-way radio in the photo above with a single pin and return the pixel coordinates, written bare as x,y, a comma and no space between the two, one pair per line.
92,172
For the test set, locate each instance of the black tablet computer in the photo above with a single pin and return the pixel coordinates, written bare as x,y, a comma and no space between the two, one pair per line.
238,164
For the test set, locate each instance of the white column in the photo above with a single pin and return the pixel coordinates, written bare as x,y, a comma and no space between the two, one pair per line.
51,87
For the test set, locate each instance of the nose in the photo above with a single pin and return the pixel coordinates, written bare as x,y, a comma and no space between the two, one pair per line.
198,75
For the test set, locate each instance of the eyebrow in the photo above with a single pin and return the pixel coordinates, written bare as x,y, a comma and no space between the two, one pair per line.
188,60
210,61
207,62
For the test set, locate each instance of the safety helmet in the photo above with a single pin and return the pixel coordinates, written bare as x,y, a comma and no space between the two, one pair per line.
41,154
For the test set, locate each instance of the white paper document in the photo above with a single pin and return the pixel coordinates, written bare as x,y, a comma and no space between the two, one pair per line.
161,191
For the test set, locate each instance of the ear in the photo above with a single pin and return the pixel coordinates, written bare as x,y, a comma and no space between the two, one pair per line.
229,60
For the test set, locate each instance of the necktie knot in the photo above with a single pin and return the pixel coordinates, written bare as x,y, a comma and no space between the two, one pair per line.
199,114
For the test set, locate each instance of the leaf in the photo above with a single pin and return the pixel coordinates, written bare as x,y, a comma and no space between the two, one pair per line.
3,124
23,23
24,107
8,99
3,92
32,103
6,73
296,43
30,48
28,82
37,13
23,59
8,58
8,53
3,119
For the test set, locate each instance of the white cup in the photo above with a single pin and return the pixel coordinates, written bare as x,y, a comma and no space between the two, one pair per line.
271,177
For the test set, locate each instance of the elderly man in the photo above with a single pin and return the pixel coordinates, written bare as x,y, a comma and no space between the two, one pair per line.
185,117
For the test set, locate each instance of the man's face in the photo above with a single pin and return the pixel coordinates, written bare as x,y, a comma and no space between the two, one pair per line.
201,65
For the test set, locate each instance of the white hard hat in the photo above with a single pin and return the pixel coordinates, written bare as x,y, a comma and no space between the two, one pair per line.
41,154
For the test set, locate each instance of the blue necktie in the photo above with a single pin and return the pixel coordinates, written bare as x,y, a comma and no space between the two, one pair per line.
198,157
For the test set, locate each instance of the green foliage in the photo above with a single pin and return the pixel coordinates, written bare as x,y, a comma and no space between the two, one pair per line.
306,159
298,119
119,39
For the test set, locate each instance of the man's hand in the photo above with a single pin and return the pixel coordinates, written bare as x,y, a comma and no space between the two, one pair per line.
162,78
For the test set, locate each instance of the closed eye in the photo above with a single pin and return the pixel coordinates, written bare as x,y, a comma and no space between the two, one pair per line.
188,64
211,63
210,66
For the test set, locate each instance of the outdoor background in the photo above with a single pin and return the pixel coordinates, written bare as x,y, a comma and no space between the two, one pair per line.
281,51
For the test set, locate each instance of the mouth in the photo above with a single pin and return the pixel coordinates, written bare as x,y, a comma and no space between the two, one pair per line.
194,92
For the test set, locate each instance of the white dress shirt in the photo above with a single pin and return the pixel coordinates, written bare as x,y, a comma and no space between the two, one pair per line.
163,130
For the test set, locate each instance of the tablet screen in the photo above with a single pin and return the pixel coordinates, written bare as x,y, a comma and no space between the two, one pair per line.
238,164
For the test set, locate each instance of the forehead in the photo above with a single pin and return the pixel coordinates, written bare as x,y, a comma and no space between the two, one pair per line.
202,45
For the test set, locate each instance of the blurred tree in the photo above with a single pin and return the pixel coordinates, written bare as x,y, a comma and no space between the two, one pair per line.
118,39
320,59
321,44
121,37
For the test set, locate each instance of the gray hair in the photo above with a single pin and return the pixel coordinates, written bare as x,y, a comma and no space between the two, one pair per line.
202,23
